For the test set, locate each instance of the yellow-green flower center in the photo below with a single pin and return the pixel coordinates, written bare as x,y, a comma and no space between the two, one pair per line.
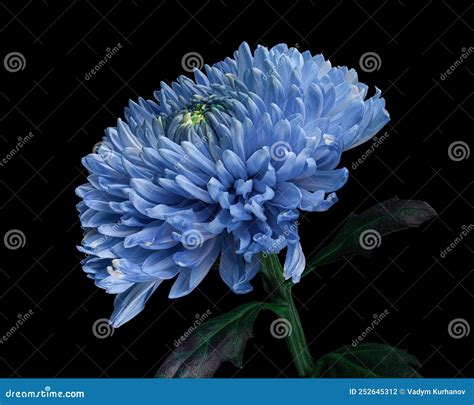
197,111
196,115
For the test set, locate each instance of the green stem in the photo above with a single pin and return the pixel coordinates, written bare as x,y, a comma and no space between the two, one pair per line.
280,293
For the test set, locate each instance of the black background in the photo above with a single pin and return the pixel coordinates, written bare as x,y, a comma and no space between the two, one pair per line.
416,42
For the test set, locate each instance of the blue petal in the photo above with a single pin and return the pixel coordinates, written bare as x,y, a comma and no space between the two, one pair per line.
258,162
234,271
131,302
316,202
153,193
234,165
161,265
313,102
193,190
330,180
287,196
155,235
189,279
295,262
194,257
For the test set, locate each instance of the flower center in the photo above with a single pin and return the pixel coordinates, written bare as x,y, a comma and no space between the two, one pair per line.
197,110
194,118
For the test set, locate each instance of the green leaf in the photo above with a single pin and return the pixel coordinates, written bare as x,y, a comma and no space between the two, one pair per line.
220,339
367,360
364,231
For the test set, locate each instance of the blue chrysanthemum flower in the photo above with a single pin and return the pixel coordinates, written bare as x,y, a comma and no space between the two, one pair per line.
218,169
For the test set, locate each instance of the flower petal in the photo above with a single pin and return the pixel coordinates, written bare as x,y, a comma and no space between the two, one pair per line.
131,302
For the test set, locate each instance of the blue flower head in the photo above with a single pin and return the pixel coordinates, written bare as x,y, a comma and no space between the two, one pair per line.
218,168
